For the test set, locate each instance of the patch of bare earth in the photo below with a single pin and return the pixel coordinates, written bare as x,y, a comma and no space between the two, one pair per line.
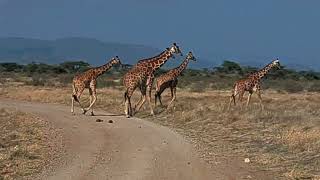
27,144
284,139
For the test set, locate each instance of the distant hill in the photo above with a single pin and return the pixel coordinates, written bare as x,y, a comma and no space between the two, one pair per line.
95,52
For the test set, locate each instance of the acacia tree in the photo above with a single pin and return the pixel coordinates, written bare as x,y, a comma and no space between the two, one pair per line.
229,67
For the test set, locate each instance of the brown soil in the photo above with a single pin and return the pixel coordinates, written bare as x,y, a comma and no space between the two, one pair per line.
27,144
126,149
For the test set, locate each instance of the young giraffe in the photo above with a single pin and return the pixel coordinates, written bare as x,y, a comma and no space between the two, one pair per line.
142,76
88,80
252,84
170,79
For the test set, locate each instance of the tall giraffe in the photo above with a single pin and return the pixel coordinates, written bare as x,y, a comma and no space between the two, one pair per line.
252,84
88,79
170,79
142,76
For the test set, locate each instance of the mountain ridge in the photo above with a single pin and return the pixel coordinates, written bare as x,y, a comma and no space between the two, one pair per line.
96,52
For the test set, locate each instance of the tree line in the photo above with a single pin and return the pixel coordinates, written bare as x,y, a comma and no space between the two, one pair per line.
226,68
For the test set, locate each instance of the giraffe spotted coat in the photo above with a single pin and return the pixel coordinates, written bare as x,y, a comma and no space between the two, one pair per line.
88,79
142,76
251,84
170,79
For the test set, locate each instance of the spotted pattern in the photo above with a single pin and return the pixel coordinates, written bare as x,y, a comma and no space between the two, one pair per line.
142,76
251,84
88,79
170,80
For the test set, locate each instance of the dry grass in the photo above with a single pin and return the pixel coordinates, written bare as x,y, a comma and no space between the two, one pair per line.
24,144
284,138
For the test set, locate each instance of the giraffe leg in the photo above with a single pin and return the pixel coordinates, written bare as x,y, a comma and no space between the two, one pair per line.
160,99
248,100
92,103
149,101
241,94
93,94
159,95
155,98
91,100
72,104
76,93
149,89
142,99
126,104
128,109
232,99
76,97
72,98
260,99
173,96
136,105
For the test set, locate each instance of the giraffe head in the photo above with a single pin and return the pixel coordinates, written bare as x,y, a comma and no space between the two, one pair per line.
191,57
276,63
116,60
174,49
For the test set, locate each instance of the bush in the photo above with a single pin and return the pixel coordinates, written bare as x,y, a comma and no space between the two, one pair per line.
315,87
10,67
292,86
197,87
36,81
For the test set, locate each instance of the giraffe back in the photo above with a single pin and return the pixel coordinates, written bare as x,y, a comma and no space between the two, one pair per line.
135,76
85,77
166,77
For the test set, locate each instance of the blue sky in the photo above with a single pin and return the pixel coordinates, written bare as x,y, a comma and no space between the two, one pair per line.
213,29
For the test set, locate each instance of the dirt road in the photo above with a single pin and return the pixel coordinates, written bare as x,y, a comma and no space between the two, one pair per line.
131,149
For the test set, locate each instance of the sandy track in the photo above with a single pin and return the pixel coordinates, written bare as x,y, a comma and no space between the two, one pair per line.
131,149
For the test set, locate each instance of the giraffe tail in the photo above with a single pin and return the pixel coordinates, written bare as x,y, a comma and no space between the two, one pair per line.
125,96
75,98
156,95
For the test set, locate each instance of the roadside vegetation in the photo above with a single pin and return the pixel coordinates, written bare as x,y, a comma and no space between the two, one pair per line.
283,139
26,144
194,80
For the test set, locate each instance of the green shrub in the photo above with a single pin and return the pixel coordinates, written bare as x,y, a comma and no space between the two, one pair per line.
315,87
291,86
36,80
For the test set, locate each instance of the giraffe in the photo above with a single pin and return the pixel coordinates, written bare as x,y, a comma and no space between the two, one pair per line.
142,76
88,79
170,79
252,84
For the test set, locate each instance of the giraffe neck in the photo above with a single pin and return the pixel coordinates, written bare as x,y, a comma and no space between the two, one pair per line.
263,72
102,69
155,62
149,60
182,66
161,60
